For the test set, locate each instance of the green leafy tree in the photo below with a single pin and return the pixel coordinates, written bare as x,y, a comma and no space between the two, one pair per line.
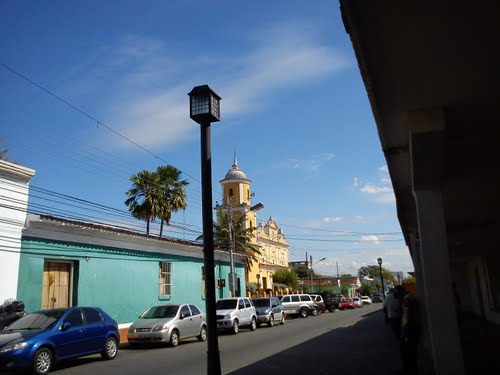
225,231
302,271
144,199
286,276
366,290
172,193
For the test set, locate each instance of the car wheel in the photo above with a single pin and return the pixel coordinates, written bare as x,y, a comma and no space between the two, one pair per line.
174,338
110,348
283,318
253,324
271,320
315,312
235,328
303,313
42,361
203,334
332,308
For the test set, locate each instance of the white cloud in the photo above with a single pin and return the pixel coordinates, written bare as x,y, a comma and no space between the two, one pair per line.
370,238
329,220
147,84
312,164
355,182
381,192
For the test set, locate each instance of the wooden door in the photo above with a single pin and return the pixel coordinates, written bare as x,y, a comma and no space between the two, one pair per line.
56,285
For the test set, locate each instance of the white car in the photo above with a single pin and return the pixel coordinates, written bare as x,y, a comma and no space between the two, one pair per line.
233,313
357,302
168,323
366,300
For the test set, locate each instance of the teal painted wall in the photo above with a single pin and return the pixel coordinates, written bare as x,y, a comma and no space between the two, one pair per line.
123,283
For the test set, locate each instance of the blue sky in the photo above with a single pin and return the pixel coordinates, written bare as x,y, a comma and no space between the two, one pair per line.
293,107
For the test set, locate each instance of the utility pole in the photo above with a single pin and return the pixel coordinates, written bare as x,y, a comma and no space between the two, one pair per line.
231,248
337,263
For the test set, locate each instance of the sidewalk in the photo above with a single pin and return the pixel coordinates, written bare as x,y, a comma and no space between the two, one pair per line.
368,346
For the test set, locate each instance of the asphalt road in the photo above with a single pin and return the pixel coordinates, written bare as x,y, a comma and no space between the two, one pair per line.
236,351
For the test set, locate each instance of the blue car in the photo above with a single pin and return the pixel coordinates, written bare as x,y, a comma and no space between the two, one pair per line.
40,339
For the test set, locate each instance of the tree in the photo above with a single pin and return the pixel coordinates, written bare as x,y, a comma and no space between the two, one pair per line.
144,198
241,236
172,193
373,271
302,271
286,277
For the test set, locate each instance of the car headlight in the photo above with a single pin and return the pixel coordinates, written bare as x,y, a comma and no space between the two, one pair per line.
131,329
14,346
159,327
228,316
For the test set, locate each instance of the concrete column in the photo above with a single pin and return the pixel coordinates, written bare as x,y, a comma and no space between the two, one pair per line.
427,166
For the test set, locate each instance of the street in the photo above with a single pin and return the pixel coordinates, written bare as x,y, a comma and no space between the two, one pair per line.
236,351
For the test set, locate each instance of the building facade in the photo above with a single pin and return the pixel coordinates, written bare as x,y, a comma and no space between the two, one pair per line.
14,189
268,236
67,263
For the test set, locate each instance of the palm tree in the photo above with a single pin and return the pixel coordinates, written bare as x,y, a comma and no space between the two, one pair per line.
172,193
241,236
143,198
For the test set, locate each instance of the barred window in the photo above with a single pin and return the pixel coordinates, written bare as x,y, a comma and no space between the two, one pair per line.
165,278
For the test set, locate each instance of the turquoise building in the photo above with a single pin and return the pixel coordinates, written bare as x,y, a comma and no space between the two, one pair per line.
67,263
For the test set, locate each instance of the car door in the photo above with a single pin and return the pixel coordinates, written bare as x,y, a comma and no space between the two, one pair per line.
71,339
249,309
197,319
95,329
295,303
185,322
242,315
276,308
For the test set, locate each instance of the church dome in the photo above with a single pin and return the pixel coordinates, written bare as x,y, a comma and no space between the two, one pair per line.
235,173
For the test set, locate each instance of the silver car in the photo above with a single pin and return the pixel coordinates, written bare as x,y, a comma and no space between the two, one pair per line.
168,324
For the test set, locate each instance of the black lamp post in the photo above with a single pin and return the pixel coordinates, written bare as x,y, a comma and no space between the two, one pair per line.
204,108
379,261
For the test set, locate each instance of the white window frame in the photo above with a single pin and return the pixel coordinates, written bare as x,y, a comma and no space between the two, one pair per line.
165,279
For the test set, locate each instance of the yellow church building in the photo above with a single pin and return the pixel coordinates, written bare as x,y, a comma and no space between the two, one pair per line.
268,236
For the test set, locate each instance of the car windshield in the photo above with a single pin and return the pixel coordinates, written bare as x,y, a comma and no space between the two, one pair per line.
226,304
261,302
41,320
156,312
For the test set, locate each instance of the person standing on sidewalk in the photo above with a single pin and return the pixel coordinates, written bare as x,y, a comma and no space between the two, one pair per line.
392,310
409,331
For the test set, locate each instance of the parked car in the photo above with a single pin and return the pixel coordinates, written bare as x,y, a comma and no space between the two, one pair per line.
233,313
332,301
318,301
377,297
366,300
299,304
40,339
357,302
269,310
347,303
168,324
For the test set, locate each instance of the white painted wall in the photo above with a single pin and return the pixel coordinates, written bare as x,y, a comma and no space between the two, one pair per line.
14,190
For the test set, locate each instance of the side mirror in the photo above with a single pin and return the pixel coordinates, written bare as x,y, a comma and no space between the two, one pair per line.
65,326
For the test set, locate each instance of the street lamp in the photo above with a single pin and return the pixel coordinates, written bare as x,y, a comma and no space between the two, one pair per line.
204,108
379,261
312,271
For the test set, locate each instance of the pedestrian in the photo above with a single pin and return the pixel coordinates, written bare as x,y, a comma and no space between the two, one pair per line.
392,309
409,331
